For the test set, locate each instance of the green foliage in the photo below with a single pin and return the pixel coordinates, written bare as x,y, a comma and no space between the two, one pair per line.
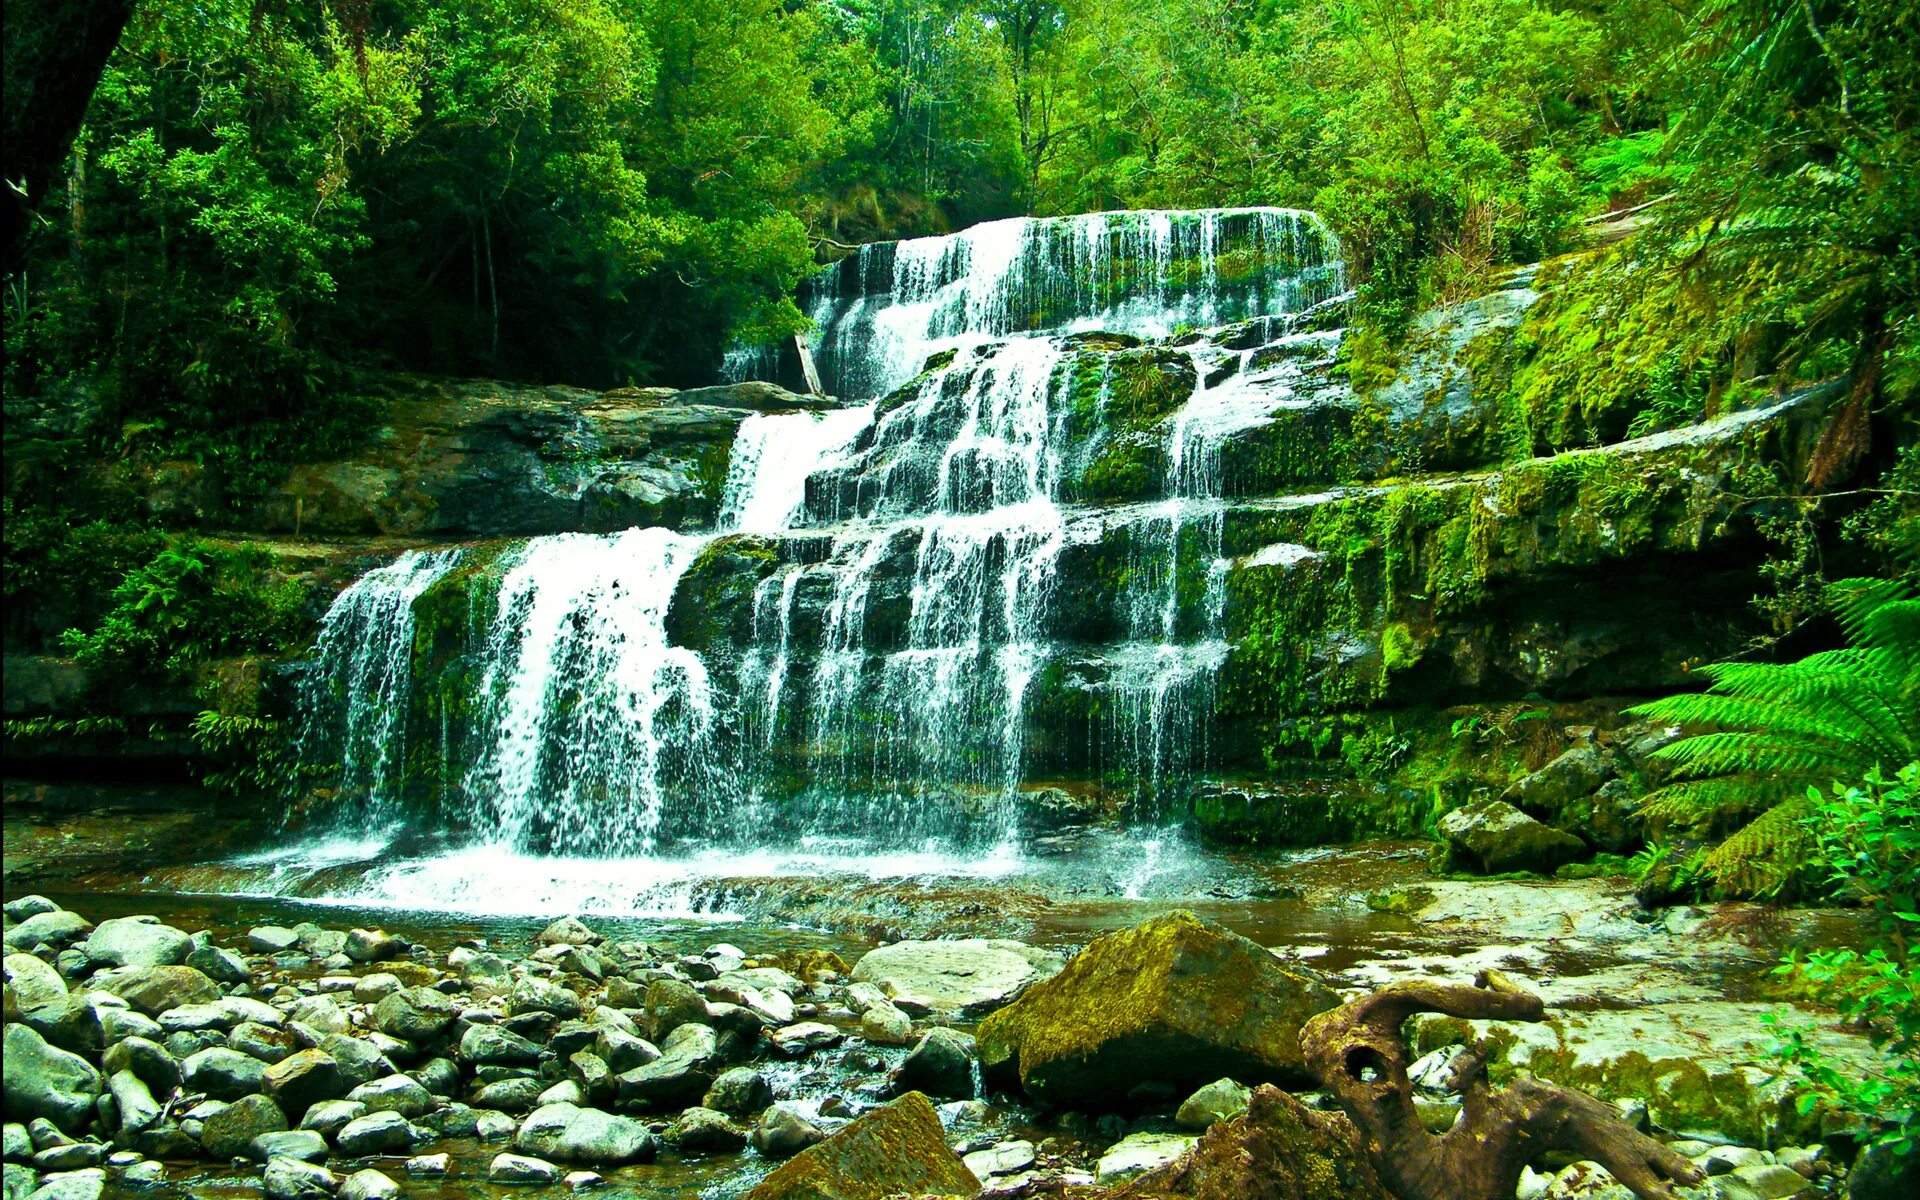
1770,730
191,602
242,755
1867,842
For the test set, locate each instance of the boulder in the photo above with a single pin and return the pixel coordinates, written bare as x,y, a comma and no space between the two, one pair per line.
1004,1158
782,1133
33,984
492,1044
291,1179
377,1133
899,1147
301,1080
271,939
46,1081
329,1117
147,1059
359,1060
372,945
54,930
137,942
1277,1150
394,1093
228,1132
680,1076
804,1038
88,1184
738,1092
1175,1001
223,1074
1575,775
368,1184
940,1064
414,1014
154,990
302,1144
519,1169
537,995
1495,837
671,1003
1218,1101
885,1025
568,931
705,1131
1138,1153
967,976
570,1134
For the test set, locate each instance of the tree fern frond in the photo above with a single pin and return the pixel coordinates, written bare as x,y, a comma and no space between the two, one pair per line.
1698,803
1763,857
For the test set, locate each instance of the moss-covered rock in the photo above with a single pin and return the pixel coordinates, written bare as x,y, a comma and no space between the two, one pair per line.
1175,1001
1277,1150
896,1149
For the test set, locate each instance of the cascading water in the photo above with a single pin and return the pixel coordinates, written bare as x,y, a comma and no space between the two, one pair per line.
855,653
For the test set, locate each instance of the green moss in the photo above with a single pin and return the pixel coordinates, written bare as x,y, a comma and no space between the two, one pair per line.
1402,901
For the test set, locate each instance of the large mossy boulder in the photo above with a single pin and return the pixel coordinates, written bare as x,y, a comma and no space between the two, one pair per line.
896,1149
1277,1150
1175,1002
1495,837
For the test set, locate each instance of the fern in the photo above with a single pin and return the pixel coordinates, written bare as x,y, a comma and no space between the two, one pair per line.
1768,731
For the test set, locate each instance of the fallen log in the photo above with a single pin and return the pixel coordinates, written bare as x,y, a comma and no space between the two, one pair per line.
1361,1057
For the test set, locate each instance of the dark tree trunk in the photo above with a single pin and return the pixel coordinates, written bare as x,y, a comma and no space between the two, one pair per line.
55,52
1360,1054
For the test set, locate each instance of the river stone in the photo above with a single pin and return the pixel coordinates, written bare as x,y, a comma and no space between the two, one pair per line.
739,1091
671,1003
705,1131
394,1093
569,1133
1880,1174
885,1025
228,1132
154,990
372,945
329,1117
46,1081
680,1076
899,1147
262,1042
1218,1101
147,1059
1495,837
782,1133
88,1184
537,995
1175,1000
56,930
368,1184
302,1144
1138,1153
519,1169
941,1064
1005,1158
516,1095
221,966
291,1179
21,1181
492,1044
568,931
804,1038
967,976
359,1060
1277,1150
372,989
33,984
223,1074
384,1132
414,1015
302,1080
133,1104
137,942
320,1013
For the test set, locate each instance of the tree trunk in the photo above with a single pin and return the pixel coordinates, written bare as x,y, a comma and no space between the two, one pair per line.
55,52
1359,1053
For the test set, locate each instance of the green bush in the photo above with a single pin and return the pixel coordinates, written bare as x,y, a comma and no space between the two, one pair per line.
1867,837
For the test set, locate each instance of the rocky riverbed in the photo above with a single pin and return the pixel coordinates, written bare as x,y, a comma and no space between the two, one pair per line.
309,1060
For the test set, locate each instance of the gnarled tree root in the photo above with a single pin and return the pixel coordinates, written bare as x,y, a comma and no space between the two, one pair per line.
1360,1055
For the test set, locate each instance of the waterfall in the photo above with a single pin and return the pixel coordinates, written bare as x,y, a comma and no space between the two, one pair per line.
353,698
881,313
868,643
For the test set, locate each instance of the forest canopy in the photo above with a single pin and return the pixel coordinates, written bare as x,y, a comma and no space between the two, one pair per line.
606,192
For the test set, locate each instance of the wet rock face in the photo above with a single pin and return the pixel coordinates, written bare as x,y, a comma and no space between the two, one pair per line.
1175,1002
899,1148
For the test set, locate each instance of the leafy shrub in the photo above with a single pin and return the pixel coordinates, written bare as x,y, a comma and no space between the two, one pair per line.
1867,839
192,601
